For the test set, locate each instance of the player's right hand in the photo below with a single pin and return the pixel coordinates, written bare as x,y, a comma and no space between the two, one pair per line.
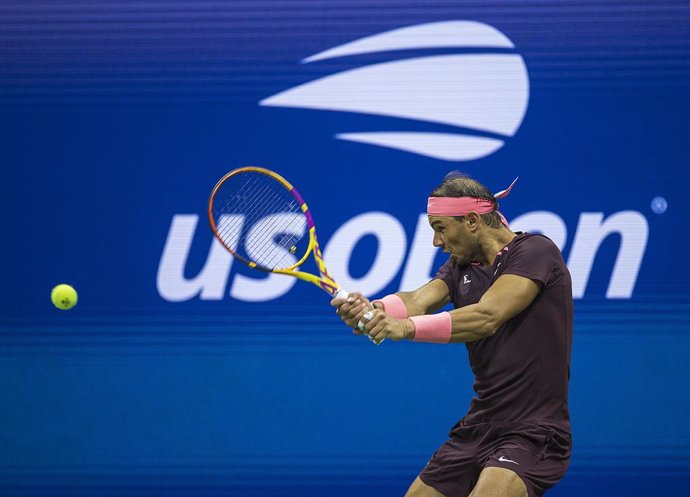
352,309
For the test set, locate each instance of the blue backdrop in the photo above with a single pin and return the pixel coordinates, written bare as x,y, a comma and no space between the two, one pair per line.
182,373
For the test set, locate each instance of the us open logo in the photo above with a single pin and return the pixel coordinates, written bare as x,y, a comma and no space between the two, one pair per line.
472,94
480,96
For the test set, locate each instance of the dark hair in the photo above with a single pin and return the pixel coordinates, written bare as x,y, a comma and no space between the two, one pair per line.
458,184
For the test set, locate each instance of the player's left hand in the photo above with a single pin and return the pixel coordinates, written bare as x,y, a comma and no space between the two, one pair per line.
381,326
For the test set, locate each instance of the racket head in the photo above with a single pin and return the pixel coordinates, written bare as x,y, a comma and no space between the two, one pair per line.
261,219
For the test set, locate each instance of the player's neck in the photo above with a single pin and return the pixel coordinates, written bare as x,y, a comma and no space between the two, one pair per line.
493,242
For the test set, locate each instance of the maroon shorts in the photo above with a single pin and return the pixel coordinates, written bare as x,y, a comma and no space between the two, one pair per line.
539,455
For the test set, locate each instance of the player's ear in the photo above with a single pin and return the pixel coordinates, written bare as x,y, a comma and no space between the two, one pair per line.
472,220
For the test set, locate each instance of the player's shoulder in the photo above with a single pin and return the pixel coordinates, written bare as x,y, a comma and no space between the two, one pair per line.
534,242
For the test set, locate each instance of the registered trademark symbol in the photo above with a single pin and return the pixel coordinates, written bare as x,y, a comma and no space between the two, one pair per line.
659,205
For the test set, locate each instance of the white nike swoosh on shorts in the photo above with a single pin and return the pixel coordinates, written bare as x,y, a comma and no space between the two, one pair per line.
504,459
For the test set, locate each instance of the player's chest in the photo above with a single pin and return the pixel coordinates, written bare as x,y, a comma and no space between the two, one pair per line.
476,279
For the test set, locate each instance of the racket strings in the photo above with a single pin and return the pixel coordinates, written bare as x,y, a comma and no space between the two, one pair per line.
240,203
288,238
234,203
287,241
259,220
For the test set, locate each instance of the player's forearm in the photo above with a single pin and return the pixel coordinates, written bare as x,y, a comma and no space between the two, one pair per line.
472,322
412,307
426,299
467,324
411,304
416,305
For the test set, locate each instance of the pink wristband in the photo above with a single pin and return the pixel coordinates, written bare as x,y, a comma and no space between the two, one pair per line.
434,328
394,306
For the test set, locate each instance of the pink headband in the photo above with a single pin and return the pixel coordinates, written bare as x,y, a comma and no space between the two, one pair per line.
461,206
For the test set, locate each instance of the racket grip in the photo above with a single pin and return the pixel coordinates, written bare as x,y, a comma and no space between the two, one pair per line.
341,294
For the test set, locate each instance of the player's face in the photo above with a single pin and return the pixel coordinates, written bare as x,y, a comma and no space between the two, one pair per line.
454,238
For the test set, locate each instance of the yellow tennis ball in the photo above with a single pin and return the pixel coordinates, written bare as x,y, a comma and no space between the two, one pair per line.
293,249
64,297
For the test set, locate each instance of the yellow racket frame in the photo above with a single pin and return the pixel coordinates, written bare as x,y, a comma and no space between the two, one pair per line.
324,281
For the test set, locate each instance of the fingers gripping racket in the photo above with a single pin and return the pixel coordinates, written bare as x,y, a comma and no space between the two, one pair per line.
263,221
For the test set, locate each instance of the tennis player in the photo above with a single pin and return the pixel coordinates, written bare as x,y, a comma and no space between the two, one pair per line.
513,309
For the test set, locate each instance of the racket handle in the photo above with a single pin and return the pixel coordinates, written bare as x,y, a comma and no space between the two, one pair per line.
341,294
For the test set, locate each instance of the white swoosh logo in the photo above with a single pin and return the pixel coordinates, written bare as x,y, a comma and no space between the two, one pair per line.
444,146
444,34
482,92
503,459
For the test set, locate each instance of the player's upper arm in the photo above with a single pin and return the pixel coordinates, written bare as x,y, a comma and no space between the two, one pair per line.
509,295
426,299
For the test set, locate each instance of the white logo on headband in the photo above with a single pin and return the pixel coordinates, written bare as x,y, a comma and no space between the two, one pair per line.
481,97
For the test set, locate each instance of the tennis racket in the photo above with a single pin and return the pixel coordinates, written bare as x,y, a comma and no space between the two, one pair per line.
262,220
